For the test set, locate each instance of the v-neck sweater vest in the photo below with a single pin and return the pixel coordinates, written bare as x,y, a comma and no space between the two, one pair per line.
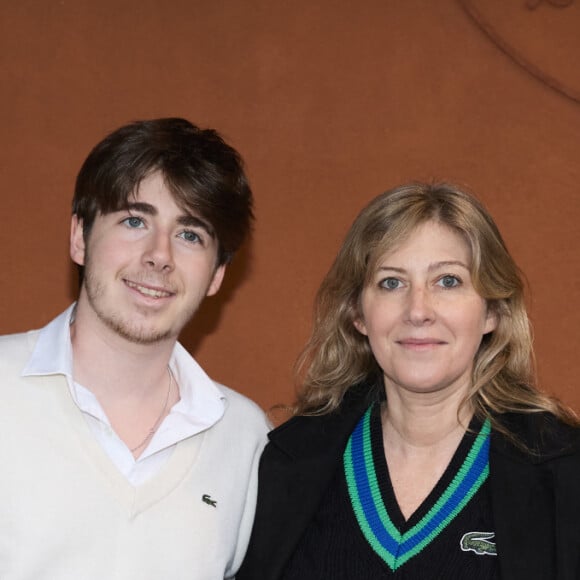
68,513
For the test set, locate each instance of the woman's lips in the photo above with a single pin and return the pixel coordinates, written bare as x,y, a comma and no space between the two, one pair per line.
420,343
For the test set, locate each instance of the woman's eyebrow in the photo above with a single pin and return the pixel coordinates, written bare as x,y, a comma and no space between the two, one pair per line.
431,267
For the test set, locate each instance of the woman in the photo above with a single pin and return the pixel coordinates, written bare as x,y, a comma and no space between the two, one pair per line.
420,447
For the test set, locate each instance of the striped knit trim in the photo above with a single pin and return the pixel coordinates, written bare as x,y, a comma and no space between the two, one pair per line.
377,527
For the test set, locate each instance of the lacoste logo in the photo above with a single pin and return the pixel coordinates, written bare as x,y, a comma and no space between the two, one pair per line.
206,498
479,542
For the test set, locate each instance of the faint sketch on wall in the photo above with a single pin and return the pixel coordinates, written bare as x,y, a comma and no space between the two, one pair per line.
541,36
533,4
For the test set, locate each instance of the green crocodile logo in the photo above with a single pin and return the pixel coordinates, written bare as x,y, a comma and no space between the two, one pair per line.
479,542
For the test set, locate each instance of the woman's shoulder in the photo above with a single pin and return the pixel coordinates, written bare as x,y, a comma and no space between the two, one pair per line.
311,434
542,436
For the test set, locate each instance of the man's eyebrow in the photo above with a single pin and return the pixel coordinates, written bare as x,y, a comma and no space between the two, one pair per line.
185,219
142,207
195,222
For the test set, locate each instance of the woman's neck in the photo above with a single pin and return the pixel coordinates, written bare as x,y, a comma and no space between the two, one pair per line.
425,420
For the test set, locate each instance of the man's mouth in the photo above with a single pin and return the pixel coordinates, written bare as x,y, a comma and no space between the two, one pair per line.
149,291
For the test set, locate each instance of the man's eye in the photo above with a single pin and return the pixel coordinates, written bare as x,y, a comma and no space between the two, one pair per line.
133,222
390,283
190,236
449,281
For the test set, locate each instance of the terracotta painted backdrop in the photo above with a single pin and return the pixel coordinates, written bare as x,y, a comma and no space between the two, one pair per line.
330,102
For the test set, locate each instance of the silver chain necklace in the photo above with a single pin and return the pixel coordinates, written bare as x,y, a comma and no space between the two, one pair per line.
155,426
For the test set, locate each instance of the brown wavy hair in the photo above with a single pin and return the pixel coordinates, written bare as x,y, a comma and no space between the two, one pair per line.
205,175
337,356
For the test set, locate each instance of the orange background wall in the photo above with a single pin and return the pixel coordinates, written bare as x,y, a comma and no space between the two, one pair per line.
330,102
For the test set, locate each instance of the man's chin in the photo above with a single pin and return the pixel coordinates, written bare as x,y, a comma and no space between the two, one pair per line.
139,334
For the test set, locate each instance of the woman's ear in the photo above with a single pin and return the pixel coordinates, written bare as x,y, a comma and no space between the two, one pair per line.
360,325
491,319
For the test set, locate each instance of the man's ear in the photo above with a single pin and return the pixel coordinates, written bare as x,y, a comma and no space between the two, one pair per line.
216,281
77,241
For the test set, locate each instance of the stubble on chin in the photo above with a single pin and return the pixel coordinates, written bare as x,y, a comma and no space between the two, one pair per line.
133,332
122,325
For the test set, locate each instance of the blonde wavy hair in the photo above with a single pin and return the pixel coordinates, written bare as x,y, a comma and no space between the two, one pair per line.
338,357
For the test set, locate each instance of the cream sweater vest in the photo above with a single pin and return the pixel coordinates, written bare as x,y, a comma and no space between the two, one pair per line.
67,513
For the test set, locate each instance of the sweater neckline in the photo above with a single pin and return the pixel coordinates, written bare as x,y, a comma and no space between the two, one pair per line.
394,542
138,498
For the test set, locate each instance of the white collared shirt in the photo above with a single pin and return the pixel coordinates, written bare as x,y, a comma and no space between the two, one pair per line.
201,403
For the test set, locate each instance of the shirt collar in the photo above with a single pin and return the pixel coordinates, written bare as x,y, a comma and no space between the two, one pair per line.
202,401
52,354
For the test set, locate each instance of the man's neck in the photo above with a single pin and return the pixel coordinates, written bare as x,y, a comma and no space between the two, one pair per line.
112,366
132,382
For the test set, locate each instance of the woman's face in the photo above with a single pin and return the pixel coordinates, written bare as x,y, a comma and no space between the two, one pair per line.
421,314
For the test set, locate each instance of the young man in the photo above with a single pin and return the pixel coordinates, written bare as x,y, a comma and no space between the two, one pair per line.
120,458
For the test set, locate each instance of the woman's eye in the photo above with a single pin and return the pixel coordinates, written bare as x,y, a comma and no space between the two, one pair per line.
133,222
189,236
449,281
390,283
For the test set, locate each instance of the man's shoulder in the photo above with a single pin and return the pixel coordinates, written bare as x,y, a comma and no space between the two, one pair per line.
15,346
15,351
240,407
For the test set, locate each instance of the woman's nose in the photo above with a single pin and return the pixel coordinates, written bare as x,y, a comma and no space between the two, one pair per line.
420,306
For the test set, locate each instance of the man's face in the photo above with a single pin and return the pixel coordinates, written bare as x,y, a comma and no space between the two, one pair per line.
147,268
